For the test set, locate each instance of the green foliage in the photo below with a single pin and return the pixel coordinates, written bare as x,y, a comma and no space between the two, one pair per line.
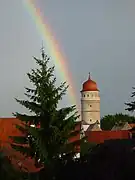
108,121
50,140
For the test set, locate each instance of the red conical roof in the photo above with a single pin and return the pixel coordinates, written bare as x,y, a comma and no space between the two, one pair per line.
89,85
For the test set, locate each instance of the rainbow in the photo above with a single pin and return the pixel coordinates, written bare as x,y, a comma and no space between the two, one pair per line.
53,48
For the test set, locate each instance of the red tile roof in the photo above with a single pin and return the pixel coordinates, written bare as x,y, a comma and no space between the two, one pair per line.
8,128
101,136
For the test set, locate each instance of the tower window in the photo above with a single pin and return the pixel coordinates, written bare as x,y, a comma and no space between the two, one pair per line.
87,95
90,119
84,95
90,105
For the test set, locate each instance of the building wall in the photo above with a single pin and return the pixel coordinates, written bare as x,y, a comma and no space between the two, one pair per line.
90,107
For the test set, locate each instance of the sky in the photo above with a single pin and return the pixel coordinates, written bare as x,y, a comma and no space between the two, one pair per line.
96,36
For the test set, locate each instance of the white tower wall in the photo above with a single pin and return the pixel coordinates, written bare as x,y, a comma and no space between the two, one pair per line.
90,107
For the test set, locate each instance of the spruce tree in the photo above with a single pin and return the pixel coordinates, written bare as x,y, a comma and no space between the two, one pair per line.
131,105
48,140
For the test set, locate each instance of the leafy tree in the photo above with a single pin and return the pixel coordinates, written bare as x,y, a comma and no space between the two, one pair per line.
108,121
48,140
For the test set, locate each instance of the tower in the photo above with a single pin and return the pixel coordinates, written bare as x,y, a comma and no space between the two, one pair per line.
90,103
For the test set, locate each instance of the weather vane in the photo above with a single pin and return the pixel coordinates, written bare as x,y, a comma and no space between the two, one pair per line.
89,75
